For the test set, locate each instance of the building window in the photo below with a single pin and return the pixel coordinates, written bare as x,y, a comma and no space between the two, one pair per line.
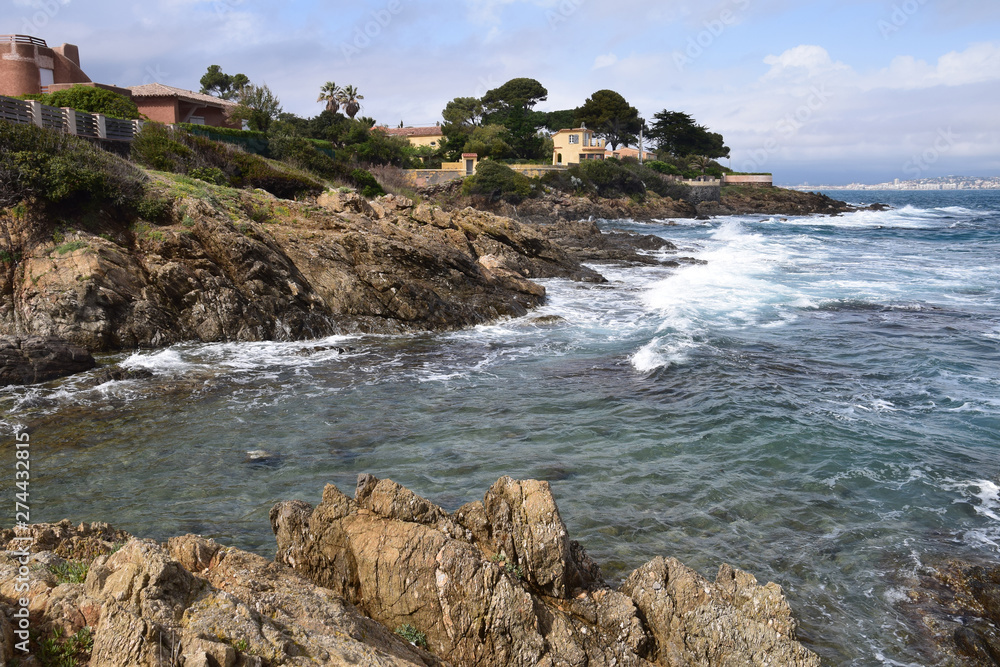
434,143
574,138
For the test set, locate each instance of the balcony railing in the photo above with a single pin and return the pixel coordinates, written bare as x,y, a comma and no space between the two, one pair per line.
22,39
82,124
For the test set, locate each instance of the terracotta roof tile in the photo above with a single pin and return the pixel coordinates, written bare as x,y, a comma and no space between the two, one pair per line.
160,90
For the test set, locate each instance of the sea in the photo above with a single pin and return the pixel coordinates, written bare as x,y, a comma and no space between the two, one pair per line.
818,403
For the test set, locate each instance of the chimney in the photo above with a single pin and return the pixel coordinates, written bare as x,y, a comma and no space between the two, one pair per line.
69,51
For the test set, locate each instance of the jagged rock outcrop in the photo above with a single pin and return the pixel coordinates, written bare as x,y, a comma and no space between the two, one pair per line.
252,267
193,602
586,242
499,582
38,359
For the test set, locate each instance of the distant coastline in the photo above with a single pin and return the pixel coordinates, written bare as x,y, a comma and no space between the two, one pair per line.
942,183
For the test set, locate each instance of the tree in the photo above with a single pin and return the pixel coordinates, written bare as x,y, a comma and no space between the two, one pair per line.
464,111
257,106
676,133
554,121
489,141
350,100
610,116
511,105
330,93
700,162
216,82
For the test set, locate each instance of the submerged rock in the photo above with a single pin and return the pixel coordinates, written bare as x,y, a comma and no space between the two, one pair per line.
40,359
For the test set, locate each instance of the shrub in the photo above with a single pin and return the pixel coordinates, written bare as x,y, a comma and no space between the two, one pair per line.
367,184
54,168
181,152
211,175
609,177
92,100
412,635
497,181
663,167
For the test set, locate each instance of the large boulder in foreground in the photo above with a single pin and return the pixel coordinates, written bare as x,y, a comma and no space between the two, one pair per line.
38,359
500,583
189,602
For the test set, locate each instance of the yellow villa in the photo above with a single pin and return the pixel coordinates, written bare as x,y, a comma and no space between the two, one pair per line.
417,136
575,146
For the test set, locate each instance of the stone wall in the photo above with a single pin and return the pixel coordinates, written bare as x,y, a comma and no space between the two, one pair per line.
756,180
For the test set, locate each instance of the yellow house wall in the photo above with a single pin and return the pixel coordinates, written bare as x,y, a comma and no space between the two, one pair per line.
571,152
432,141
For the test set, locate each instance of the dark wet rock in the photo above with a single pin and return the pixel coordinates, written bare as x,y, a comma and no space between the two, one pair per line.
500,583
119,374
744,200
40,359
585,241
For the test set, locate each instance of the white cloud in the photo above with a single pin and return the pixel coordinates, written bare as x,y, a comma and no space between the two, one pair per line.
978,63
802,61
606,60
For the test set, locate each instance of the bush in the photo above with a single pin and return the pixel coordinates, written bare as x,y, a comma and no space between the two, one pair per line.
92,100
609,177
306,155
53,168
663,167
497,181
180,152
366,183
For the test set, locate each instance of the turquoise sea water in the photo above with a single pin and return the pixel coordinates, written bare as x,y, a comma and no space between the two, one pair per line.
819,404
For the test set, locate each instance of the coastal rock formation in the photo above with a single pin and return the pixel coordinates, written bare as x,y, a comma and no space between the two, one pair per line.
586,242
500,583
959,604
38,359
252,267
189,602
385,579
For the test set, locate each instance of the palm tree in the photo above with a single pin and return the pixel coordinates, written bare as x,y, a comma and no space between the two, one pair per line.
350,100
700,162
330,93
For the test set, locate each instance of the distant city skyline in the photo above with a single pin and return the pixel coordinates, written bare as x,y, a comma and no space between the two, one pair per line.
831,92
937,183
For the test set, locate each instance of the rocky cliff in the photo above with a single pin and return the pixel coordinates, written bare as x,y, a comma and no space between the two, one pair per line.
230,265
384,578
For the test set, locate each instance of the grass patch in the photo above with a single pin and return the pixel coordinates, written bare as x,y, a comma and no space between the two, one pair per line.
70,572
74,650
70,247
412,635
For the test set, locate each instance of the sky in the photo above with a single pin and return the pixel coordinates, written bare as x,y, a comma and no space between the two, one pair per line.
817,92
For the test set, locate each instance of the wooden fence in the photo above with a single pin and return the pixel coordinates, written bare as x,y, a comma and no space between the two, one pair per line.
94,125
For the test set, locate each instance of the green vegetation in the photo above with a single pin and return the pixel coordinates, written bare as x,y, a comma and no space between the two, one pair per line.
160,148
70,247
75,650
222,85
676,134
496,181
92,100
256,106
412,635
49,168
70,572
614,178
610,116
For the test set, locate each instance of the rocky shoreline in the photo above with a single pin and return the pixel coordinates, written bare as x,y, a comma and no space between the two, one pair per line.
383,578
